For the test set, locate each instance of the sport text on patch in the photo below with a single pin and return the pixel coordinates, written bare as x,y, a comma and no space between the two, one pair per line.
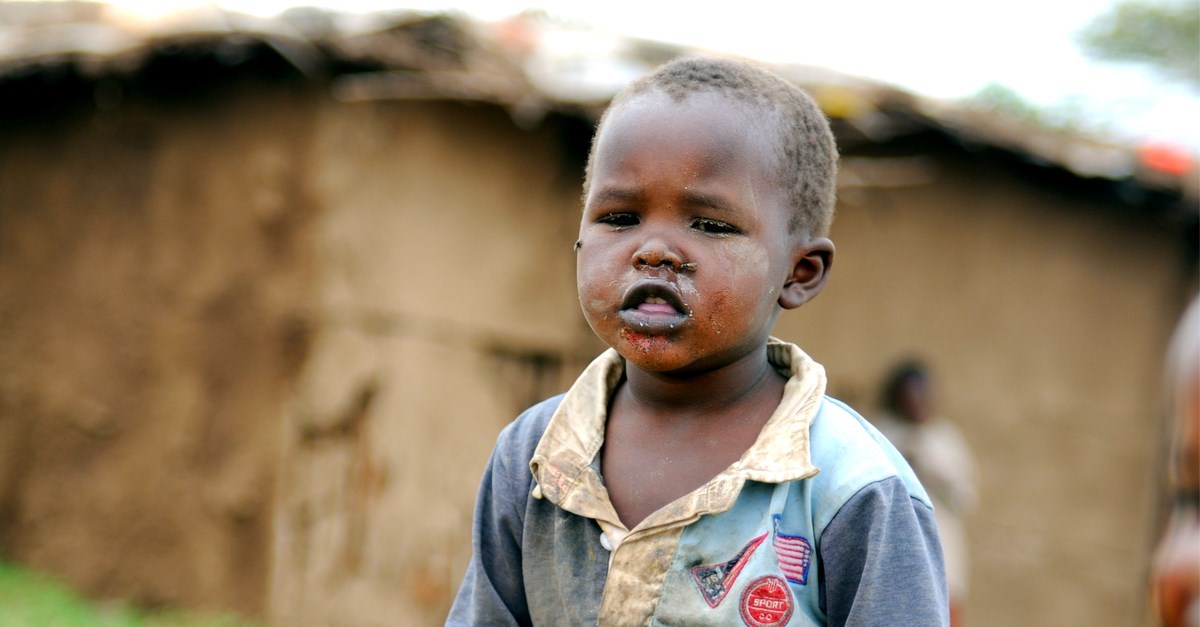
766,602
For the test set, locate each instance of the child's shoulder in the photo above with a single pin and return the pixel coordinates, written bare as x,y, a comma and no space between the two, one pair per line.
852,453
521,436
844,431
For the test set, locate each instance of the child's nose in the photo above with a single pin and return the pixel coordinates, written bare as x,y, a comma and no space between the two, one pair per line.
655,253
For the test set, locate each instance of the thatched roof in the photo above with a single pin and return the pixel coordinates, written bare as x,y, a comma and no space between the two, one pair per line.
52,51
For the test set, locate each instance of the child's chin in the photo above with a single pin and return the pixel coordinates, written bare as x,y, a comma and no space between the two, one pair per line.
653,353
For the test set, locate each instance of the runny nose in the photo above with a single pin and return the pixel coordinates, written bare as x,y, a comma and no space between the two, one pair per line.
655,254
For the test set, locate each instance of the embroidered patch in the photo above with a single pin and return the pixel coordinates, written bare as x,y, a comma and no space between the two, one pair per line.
767,601
716,580
794,554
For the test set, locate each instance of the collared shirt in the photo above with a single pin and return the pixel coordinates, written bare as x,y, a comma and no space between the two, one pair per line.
771,540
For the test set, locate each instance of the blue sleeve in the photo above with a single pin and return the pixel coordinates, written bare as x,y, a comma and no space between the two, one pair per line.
493,589
881,561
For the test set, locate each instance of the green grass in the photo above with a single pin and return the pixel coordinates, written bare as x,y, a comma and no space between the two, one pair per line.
29,599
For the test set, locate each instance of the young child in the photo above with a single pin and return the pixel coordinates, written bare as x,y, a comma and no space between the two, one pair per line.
696,473
1175,573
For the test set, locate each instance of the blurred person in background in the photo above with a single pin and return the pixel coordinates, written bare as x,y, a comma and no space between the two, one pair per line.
942,461
1176,569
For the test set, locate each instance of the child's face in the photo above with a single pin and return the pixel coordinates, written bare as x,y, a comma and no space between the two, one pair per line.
685,245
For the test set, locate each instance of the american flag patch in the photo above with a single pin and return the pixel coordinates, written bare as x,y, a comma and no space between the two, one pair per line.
794,553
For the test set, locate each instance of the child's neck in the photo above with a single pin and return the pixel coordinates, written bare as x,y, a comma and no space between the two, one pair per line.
668,435
709,392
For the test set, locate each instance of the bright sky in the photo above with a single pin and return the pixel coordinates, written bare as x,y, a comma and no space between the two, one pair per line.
938,48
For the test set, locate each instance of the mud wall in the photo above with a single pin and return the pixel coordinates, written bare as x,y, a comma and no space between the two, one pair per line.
255,347
447,305
153,272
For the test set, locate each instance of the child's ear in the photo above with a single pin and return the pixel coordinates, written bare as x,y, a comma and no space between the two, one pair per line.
812,262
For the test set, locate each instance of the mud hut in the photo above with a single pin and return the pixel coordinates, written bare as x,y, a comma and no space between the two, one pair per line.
270,288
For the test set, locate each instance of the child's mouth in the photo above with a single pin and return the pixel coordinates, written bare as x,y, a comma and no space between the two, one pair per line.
653,308
656,305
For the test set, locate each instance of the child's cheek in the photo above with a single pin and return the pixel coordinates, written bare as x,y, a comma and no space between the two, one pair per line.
750,264
596,282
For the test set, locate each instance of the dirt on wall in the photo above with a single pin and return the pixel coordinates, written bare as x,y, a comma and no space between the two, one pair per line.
447,307
153,272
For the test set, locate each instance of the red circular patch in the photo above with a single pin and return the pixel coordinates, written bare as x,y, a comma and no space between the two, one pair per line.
766,601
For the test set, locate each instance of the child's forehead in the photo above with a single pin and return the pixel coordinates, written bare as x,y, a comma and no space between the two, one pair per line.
657,117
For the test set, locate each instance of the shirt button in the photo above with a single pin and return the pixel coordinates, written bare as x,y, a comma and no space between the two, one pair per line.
604,542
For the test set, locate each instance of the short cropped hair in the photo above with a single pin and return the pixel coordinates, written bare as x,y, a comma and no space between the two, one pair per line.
807,153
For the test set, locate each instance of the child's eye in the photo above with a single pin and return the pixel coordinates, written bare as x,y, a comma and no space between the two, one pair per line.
714,227
619,220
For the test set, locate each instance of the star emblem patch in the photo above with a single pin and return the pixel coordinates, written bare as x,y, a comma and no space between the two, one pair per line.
715,580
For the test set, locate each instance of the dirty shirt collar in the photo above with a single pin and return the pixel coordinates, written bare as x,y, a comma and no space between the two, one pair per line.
565,467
